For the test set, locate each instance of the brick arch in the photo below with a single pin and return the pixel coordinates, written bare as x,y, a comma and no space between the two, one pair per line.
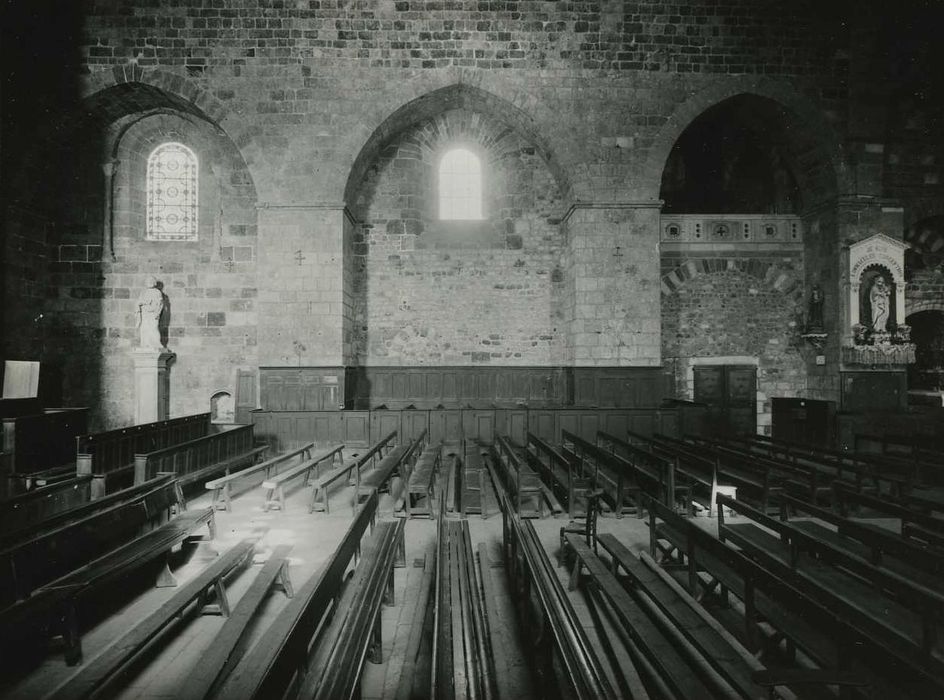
813,132
455,95
913,307
179,90
770,274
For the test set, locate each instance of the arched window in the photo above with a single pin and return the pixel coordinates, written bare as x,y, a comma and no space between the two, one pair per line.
460,185
172,193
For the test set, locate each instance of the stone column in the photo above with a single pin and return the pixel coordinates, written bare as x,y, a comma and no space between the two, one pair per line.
151,384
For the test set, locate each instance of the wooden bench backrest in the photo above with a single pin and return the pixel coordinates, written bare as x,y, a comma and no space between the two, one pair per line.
43,440
113,449
28,564
269,667
191,456
33,507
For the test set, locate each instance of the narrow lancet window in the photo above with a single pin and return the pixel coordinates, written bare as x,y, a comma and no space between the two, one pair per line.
172,193
460,186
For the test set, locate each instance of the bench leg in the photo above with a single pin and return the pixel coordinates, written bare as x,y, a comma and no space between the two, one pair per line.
211,526
574,574
71,636
284,580
166,579
226,498
375,650
400,560
388,597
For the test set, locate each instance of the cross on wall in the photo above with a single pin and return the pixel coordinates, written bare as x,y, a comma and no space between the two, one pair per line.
299,258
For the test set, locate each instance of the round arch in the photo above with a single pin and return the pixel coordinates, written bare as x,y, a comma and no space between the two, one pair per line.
770,274
812,129
456,95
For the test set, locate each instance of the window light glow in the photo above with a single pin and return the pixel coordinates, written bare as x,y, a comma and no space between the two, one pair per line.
460,186
172,193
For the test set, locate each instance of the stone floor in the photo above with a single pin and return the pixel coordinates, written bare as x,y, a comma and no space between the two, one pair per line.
313,536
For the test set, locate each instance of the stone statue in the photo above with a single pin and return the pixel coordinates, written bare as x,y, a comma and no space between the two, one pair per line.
150,307
878,298
814,321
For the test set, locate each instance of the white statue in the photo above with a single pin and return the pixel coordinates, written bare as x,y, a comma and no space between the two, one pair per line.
878,297
150,307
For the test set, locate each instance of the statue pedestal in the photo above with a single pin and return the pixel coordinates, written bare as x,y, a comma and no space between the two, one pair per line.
151,384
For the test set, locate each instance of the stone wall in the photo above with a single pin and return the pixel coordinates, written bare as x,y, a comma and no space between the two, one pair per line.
433,291
739,311
292,103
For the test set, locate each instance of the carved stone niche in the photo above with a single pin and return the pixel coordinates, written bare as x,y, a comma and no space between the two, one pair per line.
873,289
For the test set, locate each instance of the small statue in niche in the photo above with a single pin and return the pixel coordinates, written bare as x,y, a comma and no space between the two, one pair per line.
814,321
878,298
150,307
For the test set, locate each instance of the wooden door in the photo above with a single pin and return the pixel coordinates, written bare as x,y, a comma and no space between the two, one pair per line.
730,394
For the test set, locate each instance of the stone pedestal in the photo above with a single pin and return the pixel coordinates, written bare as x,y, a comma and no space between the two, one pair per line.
151,384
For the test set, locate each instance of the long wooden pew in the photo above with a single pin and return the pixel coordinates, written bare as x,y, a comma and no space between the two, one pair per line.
607,471
563,659
473,475
655,475
902,616
40,442
795,617
109,456
564,479
274,666
355,632
98,677
222,487
912,456
462,664
846,497
31,559
57,604
878,545
667,637
700,471
755,481
30,508
400,462
197,459
520,480
419,489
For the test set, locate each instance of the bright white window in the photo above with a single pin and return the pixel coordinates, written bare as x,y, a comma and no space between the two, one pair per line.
460,186
172,193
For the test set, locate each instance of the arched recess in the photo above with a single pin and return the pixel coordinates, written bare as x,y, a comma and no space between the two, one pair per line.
734,311
82,184
458,96
417,279
813,143
927,333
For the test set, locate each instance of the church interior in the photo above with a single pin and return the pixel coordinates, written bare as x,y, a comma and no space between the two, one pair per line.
402,349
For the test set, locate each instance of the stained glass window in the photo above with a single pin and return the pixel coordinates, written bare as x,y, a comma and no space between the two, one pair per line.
460,185
172,193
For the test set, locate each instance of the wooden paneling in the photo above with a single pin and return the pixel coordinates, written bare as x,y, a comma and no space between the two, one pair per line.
302,388
285,430
870,391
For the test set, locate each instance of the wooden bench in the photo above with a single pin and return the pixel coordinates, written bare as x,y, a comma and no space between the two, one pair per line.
275,486
354,634
795,615
752,480
655,475
51,476
71,541
846,496
639,609
221,486
59,599
38,441
473,494
398,461
274,663
461,625
109,455
31,508
29,530
99,675
419,492
542,603
521,481
564,480
901,615
200,458
607,471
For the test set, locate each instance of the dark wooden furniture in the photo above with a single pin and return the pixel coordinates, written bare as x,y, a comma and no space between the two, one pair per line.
221,487
521,481
197,459
109,456
275,486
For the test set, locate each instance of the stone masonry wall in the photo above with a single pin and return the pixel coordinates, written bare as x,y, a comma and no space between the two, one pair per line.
429,291
736,308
